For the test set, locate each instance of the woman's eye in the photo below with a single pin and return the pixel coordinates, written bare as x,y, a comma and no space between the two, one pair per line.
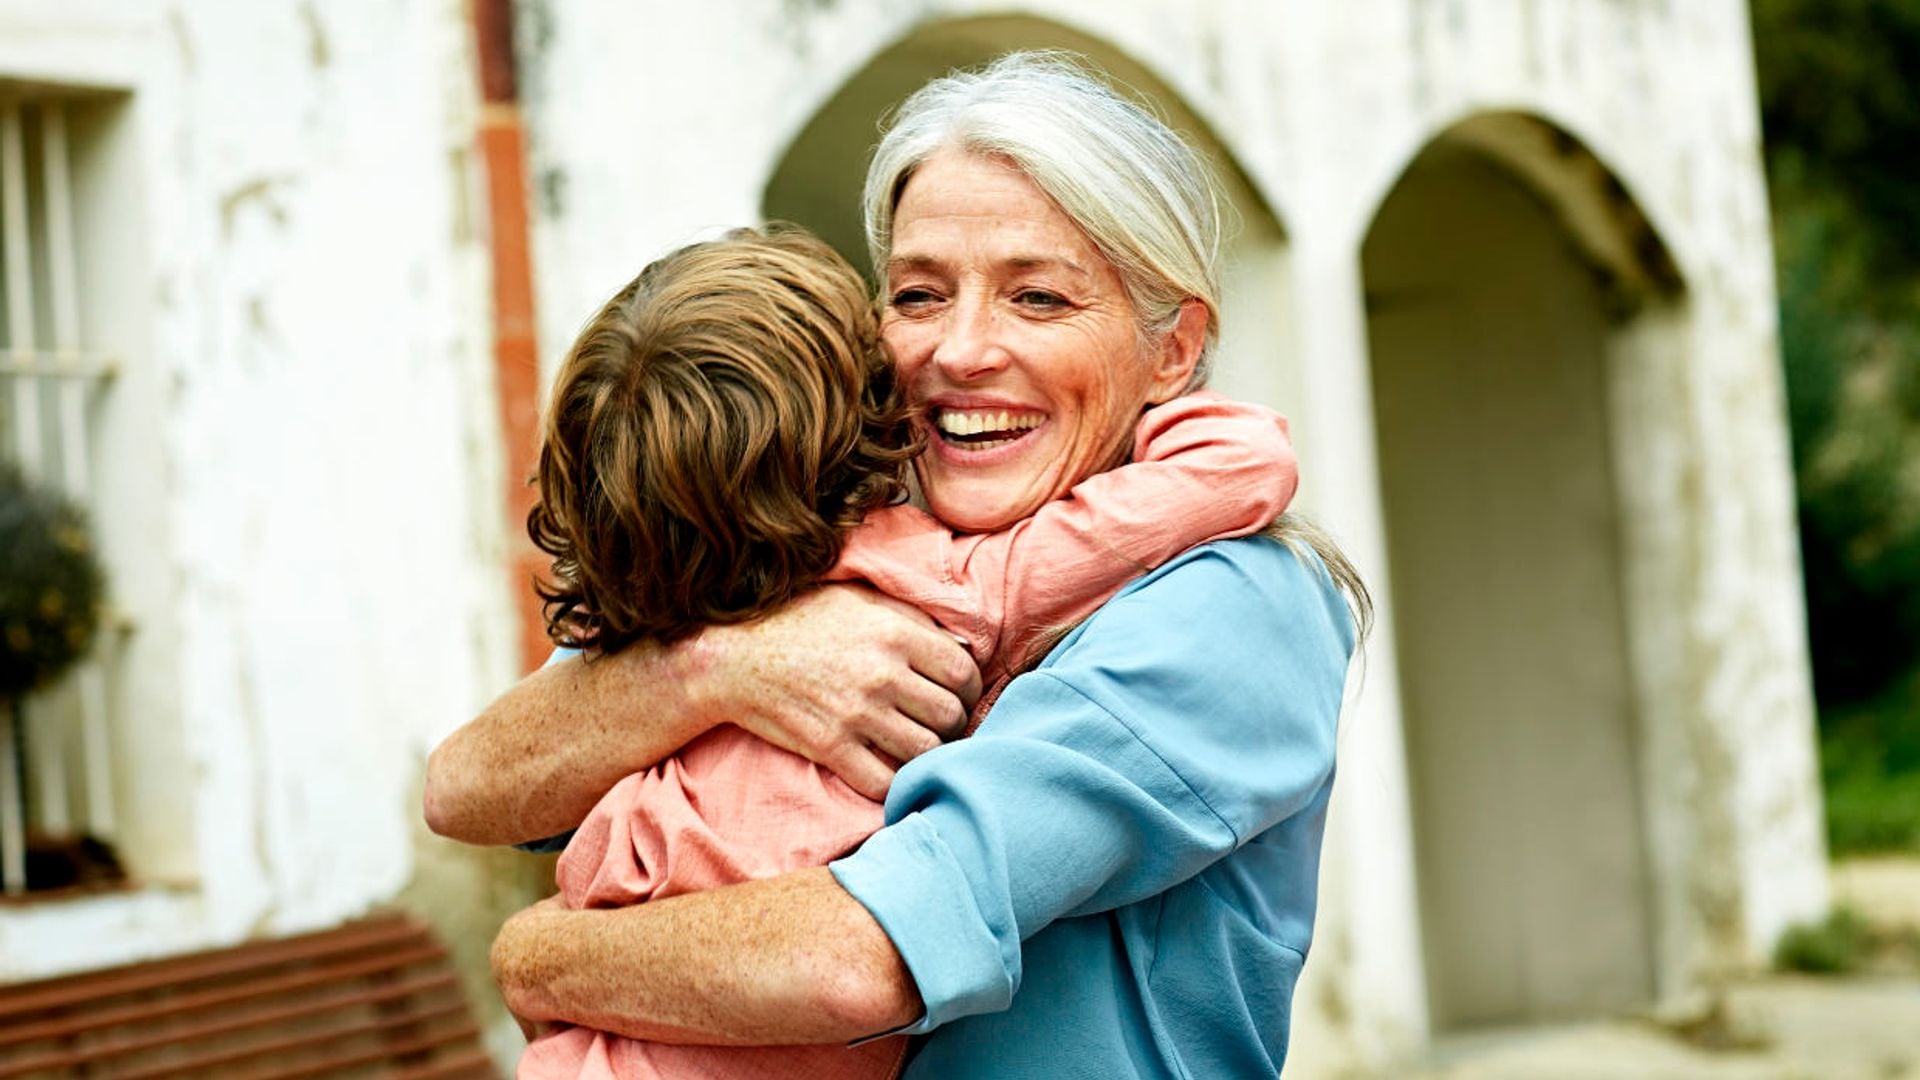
911,296
1040,299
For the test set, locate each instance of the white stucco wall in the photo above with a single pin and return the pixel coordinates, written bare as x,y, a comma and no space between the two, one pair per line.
316,567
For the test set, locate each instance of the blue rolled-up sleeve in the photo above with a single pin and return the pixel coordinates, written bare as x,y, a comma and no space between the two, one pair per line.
1193,711
908,880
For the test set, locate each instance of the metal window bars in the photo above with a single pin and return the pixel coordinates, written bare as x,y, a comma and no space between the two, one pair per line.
48,386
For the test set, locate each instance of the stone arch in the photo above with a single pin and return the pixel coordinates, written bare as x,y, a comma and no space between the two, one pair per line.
816,179
1515,290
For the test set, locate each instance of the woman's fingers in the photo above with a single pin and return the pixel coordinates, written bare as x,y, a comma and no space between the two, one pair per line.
906,735
945,664
935,708
863,770
839,674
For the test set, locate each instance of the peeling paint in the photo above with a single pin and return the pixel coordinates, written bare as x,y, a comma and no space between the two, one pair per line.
260,193
319,53
552,187
288,197
182,40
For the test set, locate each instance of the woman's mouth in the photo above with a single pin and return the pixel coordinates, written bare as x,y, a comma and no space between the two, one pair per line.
984,429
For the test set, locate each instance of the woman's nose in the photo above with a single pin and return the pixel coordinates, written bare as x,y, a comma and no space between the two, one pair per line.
969,347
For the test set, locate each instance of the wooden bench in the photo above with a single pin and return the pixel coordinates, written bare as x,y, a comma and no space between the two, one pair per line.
376,998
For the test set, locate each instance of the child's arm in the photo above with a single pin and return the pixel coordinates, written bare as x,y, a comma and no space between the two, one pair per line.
1204,468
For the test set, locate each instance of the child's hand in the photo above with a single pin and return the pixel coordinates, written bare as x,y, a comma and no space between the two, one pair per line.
845,677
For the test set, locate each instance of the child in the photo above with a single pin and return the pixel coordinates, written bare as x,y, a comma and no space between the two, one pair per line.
726,434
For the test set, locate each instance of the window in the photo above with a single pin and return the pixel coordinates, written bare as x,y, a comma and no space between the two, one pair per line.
58,813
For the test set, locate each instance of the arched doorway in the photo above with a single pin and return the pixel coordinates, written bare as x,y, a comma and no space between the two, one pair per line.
1499,271
817,180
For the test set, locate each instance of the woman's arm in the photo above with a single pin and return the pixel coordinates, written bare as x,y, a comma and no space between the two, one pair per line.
540,756
840,676
1194,712
786,960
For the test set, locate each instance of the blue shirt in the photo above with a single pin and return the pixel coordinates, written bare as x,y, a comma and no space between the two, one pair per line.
1115,876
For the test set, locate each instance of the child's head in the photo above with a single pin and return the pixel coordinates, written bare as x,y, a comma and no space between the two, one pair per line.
711,434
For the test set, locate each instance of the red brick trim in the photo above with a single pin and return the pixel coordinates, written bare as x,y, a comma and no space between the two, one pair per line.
516,360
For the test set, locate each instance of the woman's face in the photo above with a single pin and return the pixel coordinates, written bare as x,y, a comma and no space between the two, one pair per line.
1016,337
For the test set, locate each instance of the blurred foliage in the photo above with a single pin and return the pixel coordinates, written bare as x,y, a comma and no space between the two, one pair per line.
1870,755
1846,942
1835,945
50,585
1840,101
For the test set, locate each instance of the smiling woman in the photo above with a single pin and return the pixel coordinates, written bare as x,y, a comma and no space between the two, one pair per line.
1019,341
1131,839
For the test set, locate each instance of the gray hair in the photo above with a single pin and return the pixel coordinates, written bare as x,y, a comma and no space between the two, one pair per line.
1139,191
1149,202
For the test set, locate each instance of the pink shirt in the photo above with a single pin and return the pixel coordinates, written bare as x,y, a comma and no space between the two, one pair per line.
731,807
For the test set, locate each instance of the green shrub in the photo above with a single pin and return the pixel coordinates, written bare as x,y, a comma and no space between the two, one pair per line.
1838,944
1870,765
1842,146
50,585
1869,813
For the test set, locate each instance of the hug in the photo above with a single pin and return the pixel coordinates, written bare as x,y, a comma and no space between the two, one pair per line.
1106,663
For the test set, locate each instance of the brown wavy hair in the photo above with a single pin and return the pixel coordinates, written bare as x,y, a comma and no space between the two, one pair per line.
713,432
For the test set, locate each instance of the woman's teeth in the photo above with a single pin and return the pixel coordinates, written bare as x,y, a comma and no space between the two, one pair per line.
984,429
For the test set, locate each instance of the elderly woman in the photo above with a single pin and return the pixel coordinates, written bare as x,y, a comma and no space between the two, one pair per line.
1131,840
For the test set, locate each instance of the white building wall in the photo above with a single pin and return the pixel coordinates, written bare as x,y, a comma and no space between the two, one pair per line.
318,581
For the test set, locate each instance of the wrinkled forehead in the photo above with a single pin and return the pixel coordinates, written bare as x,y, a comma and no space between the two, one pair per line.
961,204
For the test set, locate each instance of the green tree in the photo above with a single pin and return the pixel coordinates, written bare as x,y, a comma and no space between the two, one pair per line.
1840,103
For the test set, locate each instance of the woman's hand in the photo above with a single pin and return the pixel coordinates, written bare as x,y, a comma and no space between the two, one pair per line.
531,1028
841,676
506,970
845,677
784,960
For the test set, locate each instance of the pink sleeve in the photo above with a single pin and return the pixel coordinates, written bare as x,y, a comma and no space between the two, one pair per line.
907,554
729,807
1204,468
732,807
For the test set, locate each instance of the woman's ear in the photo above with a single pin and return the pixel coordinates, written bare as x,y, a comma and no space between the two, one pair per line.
1179,352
